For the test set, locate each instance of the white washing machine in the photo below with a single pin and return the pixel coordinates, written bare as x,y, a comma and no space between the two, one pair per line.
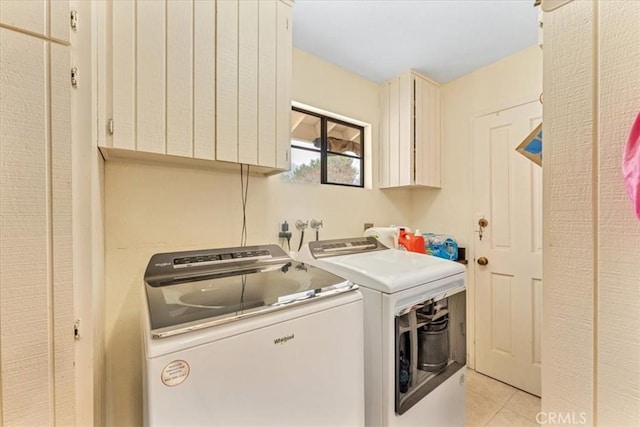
248,337
415,345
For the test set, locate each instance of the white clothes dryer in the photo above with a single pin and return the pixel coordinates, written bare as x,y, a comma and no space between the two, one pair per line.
415,338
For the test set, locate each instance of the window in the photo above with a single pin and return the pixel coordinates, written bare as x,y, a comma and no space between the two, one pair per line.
325,150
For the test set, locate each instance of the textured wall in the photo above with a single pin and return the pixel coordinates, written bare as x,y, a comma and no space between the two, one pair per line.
568,254
618,293
591,300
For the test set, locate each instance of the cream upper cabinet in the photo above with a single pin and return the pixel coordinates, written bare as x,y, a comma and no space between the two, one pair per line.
410,121
204,80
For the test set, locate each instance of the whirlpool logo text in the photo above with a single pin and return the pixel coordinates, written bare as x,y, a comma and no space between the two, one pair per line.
283,340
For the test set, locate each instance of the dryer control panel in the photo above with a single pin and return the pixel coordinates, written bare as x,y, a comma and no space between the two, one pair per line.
354,245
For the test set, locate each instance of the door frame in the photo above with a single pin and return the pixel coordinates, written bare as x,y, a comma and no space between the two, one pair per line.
471,271
88,216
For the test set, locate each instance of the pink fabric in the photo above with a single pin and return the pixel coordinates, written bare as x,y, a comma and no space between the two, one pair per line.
631,166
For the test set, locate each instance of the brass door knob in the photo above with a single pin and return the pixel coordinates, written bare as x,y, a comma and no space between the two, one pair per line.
483,261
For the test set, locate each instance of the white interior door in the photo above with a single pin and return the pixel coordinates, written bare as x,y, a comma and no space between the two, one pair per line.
508,194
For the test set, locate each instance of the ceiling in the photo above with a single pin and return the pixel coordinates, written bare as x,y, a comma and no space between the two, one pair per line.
442,39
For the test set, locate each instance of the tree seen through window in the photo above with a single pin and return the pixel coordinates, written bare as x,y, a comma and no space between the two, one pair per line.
325,150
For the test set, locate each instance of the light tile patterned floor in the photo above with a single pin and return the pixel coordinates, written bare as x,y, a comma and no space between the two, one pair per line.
495,404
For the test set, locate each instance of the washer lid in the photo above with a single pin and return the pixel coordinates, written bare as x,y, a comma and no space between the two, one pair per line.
389,270
192,290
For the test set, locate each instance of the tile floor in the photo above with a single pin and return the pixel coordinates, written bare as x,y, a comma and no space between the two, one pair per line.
492,403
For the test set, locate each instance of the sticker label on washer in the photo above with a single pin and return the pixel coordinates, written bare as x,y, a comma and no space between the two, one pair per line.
175,373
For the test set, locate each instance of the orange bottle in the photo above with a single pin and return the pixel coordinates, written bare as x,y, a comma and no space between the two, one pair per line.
412,242
418,244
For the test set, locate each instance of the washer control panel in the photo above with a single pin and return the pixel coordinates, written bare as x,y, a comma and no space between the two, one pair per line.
173,267
221,258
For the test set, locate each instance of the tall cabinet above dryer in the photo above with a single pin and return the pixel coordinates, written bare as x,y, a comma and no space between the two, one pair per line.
192,81
410,123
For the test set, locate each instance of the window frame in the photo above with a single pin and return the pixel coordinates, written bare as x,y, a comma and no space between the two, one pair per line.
324,152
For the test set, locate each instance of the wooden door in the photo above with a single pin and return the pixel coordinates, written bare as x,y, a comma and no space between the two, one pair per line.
508,195
37,366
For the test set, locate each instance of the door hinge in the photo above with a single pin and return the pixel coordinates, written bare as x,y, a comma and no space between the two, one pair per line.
74,77
76,330
110,126
74,20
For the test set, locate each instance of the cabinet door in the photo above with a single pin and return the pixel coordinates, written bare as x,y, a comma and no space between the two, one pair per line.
427,132
122,72
406,138
409,132
283,86
253,84
152,76
150,72
383,143
33,15
267,82
227,81
36,263
396,135
204,77
248,81
179,77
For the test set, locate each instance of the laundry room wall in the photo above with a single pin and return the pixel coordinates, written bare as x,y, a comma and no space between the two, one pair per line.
152,208
505,83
